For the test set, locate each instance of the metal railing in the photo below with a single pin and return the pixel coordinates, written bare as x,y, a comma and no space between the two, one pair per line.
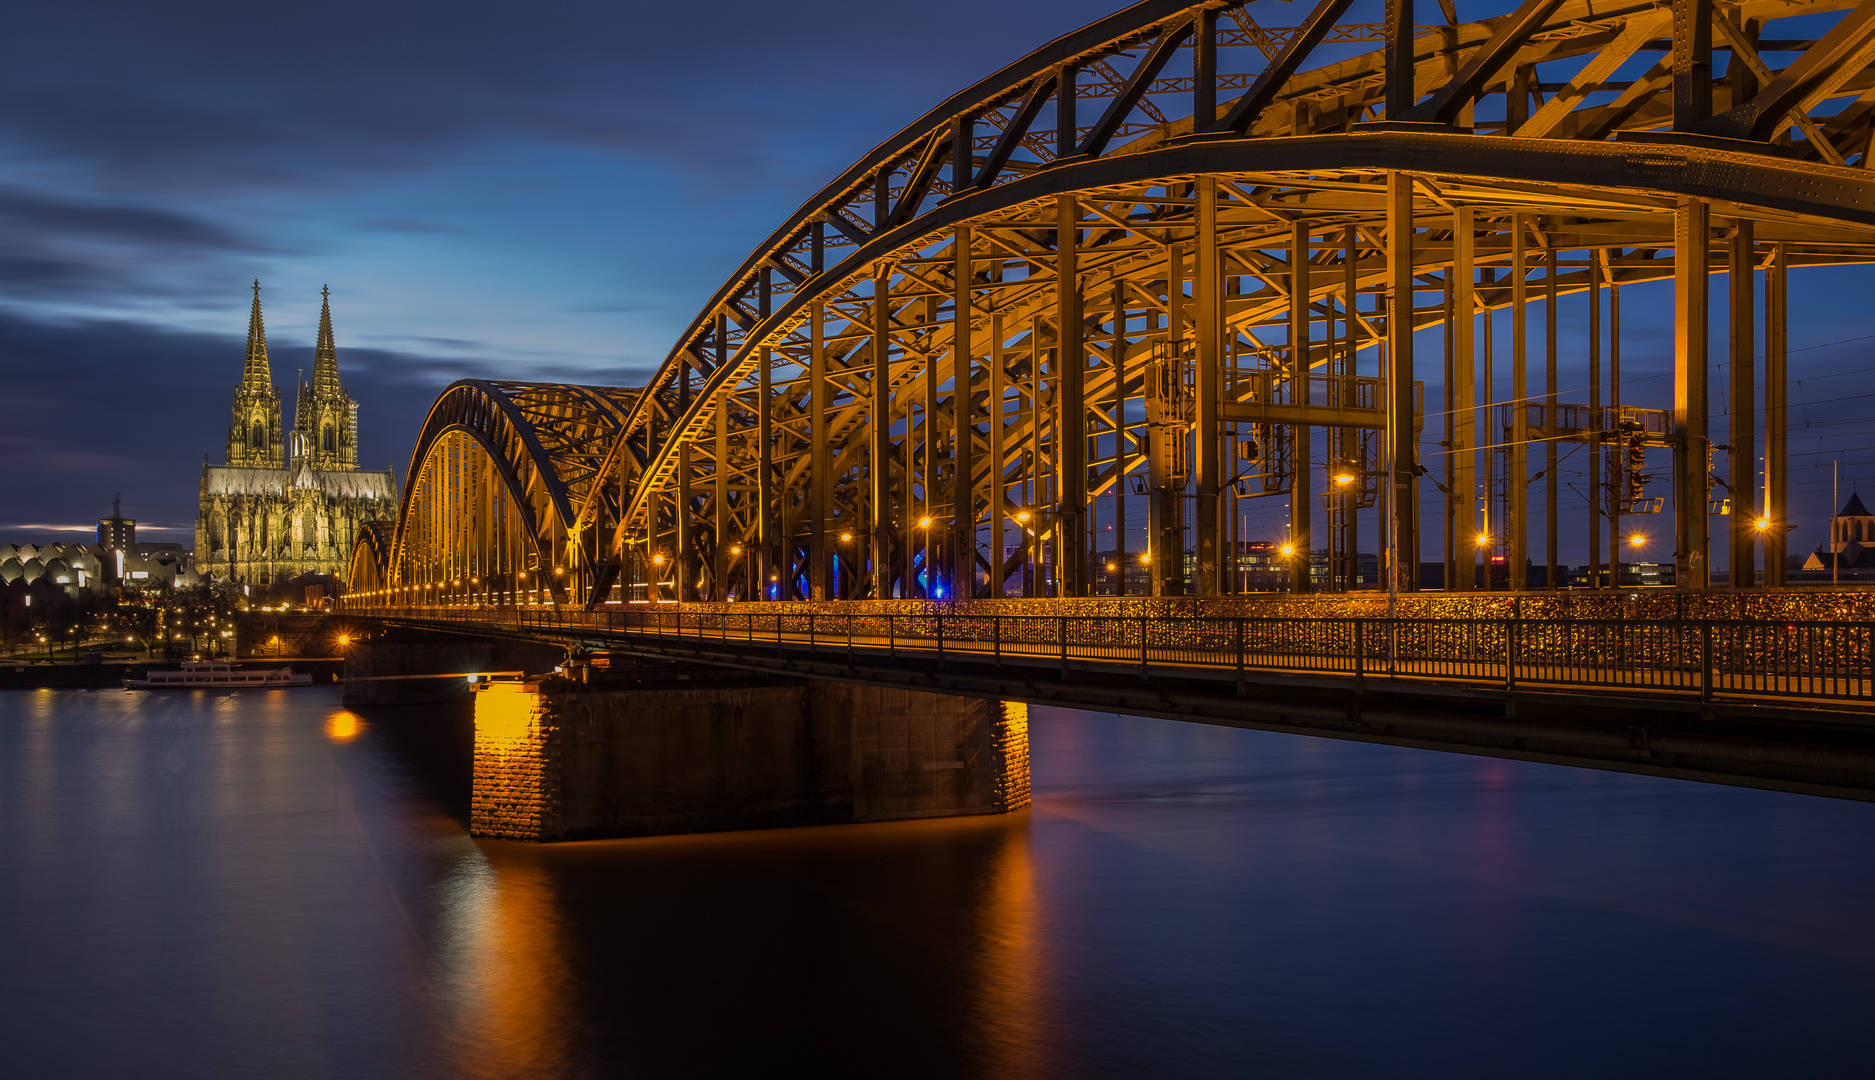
1709,659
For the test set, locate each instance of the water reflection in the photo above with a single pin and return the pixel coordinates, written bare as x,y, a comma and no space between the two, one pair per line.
264,884
726,954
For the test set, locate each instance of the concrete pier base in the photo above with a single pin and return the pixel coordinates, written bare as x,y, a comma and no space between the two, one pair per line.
679,752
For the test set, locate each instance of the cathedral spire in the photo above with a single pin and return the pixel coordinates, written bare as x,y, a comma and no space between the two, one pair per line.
326,353
256,374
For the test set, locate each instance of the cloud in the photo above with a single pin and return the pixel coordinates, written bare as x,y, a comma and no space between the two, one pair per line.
415,226
98,407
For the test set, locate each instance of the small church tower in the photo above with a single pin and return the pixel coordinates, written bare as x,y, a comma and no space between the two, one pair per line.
324,414
255,438
1854,525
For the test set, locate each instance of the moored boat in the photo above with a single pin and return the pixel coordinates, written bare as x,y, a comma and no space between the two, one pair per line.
217,675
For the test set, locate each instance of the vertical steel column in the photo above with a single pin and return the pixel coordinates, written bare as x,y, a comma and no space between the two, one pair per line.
930,538
1209,294
820,479
1067,135
999,494
756,562
1447,414
1116,358
1692,63
963,530
1402,451
1204,70
1518,484
1742,474
1776,354
681,558
1690,238
1617,488
1464,419
720,543
1070,404
1595,417
1350,539
1301,499
1552,578
1398,58
880,468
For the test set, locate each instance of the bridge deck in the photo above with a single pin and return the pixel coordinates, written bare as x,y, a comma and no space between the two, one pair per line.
1829,664
1778,705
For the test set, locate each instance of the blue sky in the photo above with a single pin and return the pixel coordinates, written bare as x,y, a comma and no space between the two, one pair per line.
546,191
538,192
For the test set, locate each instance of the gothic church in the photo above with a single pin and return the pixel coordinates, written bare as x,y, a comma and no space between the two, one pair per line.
288,502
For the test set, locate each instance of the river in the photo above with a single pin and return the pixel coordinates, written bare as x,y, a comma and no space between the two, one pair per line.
266,885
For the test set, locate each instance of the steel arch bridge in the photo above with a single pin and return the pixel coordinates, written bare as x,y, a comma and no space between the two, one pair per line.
1054,336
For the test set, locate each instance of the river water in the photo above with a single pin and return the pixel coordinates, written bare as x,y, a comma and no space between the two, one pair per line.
265,885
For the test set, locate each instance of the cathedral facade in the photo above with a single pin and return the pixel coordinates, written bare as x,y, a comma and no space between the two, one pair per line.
290,501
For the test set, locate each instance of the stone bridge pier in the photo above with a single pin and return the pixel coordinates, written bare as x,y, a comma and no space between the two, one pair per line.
643,748
674,751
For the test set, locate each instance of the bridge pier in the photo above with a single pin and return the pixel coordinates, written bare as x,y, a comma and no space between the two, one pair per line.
674,751
401,666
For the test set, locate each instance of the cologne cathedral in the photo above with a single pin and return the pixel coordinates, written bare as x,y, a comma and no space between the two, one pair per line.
289,501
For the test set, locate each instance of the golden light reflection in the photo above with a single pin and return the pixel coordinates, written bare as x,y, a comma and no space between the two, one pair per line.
1009,980
344,726
503,960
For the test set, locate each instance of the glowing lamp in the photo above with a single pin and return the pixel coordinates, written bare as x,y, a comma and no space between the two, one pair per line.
1288,550
1022,516
924,523
1637,540
1483,539
1761,524
846,536
1145,557
1344,478
658,559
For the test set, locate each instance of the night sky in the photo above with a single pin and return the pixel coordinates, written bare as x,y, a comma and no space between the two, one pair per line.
546,191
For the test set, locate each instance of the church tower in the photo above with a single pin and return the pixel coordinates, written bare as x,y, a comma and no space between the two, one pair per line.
255,438
324,414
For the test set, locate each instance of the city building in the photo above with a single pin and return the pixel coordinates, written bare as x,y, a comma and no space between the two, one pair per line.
288,502
117,533
1851,551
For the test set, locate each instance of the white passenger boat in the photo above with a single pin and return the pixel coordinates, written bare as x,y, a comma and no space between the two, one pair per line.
217,675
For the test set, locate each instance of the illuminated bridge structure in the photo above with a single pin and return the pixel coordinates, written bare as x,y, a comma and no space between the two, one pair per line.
1056,339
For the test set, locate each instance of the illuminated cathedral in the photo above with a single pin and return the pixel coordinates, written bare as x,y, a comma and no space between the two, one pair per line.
290,500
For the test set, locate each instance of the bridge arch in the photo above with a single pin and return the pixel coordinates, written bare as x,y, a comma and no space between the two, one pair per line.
488,501
1142,232
1063,332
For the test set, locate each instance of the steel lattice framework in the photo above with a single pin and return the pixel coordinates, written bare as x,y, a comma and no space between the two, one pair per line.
1176,260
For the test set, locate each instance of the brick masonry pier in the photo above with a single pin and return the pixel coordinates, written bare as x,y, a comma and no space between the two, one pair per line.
675,751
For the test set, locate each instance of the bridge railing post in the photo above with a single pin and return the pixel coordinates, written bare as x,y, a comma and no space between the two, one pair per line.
1705,659
810,632
1360,649
940,640
1241,686
1062,628
891,636
1510,655
996,632
1142,646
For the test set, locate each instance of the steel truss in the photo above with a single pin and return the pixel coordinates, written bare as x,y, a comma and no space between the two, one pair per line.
1187,262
